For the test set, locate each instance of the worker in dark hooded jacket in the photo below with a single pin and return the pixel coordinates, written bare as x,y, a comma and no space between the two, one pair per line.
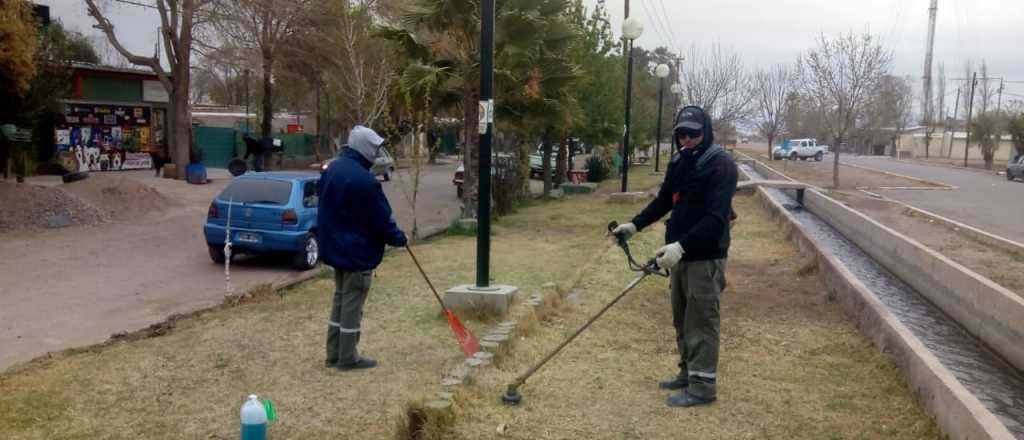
698,189
355,223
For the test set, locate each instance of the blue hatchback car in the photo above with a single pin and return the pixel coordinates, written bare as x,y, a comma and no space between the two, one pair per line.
271,213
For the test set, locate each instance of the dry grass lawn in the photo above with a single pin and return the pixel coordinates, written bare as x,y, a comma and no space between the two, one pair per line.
792,366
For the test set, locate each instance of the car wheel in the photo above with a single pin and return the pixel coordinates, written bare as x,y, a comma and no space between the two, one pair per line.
818,156
1009,175
217,253
793,156
74,177
307,258
387,177
237,167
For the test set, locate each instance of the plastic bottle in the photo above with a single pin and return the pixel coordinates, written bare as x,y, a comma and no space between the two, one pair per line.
254,419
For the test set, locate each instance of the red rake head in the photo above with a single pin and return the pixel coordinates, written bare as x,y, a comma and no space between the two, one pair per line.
466,340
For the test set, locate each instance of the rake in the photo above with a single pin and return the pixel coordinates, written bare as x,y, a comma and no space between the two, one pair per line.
467,341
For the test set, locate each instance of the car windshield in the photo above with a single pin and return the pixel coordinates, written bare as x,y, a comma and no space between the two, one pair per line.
274,192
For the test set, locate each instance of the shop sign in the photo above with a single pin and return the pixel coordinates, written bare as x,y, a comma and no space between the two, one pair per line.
154,91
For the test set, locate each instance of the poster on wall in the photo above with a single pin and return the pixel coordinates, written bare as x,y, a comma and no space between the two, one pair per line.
63,139
104,137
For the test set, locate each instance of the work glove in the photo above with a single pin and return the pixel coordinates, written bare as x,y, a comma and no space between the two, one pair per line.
625,230
669,255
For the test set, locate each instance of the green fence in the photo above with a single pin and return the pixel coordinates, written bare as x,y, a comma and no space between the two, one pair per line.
220,145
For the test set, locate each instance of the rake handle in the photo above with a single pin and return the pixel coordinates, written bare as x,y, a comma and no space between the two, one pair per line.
425,277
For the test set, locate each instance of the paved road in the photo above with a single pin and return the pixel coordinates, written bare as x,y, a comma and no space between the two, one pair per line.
76,286
986,201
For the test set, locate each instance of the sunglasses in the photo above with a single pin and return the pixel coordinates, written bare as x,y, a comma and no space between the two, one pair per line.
689,133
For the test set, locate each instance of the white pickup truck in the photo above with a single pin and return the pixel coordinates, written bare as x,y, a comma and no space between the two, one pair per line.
802,149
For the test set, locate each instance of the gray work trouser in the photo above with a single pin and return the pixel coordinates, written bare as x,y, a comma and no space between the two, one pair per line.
696,289
343,328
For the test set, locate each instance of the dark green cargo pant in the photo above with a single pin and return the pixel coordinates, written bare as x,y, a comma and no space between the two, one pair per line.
350,290
696,289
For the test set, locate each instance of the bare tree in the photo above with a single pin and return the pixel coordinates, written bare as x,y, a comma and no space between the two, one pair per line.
178,21
986,88
262,27
717,81
350,60
840,73
771,89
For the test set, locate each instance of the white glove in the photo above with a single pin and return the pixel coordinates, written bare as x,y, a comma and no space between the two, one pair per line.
625,230
669,255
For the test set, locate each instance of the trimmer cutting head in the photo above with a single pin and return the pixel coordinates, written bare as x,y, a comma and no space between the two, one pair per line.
511,397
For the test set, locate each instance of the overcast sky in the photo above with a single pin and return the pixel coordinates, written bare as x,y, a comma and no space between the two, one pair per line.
761,31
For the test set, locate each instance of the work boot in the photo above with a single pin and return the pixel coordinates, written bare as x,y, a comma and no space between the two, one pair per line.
686,400
361,364
673,383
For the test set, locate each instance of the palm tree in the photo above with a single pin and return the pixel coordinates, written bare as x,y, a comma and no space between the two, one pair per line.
441,39
986,128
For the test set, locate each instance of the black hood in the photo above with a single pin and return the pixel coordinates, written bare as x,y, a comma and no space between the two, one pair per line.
709,136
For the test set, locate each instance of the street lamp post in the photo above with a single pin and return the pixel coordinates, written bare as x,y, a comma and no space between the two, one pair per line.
631,30
676,89
661,72
483,232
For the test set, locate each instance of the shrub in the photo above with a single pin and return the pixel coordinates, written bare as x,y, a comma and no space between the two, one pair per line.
597,169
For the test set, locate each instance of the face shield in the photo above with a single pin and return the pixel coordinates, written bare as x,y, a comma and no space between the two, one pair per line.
382,163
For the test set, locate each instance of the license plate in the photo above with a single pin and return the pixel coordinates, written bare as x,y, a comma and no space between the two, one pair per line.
248,237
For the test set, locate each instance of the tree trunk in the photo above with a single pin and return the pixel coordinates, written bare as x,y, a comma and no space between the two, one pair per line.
545,165
835,163
266,125
471,152
179,125
561,167
927,143
771,139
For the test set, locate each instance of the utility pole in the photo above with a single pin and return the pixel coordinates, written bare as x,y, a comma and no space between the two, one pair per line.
679,80
486,128
927,112
970,110
927,107
629,101
956,111
999,106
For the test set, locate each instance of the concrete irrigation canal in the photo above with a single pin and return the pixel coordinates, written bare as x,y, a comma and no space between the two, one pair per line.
955,335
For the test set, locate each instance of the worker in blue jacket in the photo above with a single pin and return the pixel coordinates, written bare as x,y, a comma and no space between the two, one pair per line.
355,223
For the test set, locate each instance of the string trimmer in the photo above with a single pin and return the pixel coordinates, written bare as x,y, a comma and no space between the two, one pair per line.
512,396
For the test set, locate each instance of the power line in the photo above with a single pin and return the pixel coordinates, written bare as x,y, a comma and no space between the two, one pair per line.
665,16
656,25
